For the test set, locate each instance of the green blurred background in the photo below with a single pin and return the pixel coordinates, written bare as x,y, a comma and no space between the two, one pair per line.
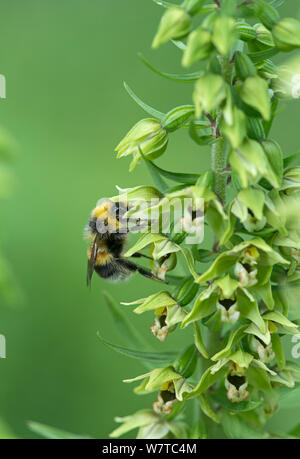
65,62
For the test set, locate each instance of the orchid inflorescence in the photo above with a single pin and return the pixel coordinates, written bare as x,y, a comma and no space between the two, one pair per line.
235,297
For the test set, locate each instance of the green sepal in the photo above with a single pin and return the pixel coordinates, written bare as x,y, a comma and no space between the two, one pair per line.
233,339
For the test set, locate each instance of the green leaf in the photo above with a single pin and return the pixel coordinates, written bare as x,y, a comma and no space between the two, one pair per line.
125,327
54,433
235,428
291,158
159,182
199,431
147,108
187,179
156,357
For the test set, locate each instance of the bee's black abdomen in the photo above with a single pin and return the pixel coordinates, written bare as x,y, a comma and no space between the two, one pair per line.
107,271
115,245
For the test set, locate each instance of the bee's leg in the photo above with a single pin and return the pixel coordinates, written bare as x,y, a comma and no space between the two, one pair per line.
144,272
140,255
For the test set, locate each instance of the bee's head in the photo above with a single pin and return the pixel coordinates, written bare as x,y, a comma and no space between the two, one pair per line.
107,218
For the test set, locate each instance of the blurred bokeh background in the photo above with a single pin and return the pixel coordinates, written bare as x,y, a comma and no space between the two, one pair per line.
65,62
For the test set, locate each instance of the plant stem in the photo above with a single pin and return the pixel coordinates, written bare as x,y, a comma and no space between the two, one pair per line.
218,151
219,159
218,156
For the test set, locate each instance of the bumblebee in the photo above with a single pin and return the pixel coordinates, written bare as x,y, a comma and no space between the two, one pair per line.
107,231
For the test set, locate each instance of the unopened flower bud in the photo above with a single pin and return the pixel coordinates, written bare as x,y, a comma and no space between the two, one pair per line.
255,128
266,13
244,66
186,291
263,35
267,69
147,135
186,363
175,24
291,180
198,47
286,34
209,93
177,117
192,6
224,34
255,92
245,31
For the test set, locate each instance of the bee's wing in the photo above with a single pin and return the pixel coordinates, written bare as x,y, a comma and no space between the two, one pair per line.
91,262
